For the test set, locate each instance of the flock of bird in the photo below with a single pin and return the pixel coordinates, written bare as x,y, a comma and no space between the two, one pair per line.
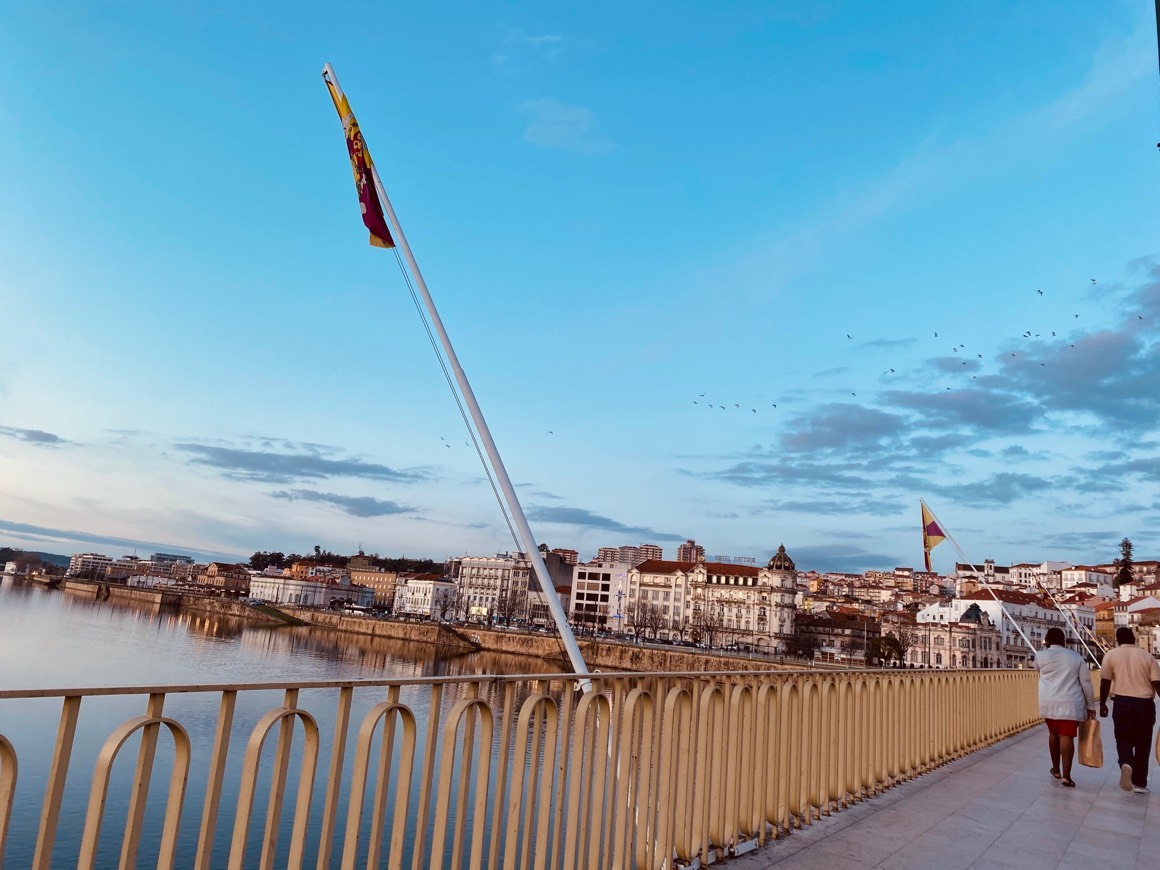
736,405
1027,334
717,404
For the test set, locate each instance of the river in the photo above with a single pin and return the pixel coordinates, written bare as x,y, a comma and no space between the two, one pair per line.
57,639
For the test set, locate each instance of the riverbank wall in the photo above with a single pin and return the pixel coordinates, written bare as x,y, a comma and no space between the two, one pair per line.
119,594
602,656
467,639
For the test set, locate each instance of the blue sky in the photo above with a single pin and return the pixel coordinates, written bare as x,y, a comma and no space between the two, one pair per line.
618,209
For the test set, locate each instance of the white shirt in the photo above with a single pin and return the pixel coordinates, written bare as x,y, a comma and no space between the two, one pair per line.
1065,684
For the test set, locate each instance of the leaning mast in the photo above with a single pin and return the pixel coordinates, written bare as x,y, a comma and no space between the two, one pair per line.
517,512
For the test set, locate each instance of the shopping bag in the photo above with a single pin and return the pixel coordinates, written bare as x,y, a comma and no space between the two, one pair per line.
1091,748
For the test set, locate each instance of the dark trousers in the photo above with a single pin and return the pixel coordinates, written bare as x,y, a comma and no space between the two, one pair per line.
1133,719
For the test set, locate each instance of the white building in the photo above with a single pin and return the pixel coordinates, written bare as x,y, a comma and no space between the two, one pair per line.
421,595
598,593
92,565
483,580
743,603
307,592
1074,576
1033,614
150,581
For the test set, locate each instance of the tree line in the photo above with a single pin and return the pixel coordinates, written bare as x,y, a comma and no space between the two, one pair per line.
264,559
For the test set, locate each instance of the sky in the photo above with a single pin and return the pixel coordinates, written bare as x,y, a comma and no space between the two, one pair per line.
754,273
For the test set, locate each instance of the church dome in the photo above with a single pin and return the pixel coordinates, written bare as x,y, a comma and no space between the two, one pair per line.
780,561
974,614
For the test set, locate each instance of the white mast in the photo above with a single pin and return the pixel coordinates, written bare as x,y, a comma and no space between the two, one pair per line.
959,550
509,492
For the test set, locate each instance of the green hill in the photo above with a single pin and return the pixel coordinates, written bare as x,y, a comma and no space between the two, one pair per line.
9,554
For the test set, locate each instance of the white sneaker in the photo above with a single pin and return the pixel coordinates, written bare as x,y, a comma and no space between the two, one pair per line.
1126,777
1139,789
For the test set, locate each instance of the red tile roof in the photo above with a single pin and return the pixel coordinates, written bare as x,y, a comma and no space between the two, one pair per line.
1004,596
663,566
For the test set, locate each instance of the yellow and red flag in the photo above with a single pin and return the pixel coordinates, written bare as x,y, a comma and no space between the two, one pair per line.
932,533
360,163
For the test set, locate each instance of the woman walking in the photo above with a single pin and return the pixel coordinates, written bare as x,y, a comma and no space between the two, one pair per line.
1066,698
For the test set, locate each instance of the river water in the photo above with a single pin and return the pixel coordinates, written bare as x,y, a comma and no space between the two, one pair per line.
58,639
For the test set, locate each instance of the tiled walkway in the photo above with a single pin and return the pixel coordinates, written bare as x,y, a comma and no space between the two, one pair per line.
996,808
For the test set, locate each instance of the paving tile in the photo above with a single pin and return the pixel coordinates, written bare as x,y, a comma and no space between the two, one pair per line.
998,808
997,858
931,850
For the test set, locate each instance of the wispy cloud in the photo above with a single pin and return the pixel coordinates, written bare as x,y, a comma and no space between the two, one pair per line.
842,557
988,410
569,516
1002,488
519,49
33,436
842,426
554,124
270,467
355,505
871,505
936,164
72,536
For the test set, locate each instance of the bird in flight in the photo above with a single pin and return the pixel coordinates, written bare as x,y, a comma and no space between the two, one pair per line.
550,432
1094,281
848,335
853,394
1040,292
754,410
1077,317
1012,354
936,335
695,402
773,406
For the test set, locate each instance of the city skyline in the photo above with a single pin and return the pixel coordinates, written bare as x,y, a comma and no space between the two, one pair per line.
767,276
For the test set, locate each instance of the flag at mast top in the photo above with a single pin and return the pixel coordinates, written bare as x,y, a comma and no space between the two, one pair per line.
932,533
360,164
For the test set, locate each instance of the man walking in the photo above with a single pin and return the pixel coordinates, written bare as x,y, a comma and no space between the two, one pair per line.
1135,676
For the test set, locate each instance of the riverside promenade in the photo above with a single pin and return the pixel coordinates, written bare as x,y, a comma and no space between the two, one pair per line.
996,808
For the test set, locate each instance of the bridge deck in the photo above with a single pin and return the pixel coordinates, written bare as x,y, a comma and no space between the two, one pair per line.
998,808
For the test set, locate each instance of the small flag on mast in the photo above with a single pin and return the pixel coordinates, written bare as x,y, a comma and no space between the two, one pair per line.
932,533
360,163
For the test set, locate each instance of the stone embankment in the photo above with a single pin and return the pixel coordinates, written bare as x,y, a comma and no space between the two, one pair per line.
466,638
119,594
599,656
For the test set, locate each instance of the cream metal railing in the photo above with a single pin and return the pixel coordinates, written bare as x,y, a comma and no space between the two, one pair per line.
646,771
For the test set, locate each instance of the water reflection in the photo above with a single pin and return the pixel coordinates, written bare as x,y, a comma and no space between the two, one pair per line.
56,639
54,632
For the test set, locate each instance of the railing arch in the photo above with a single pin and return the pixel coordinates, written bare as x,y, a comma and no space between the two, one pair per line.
644,770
